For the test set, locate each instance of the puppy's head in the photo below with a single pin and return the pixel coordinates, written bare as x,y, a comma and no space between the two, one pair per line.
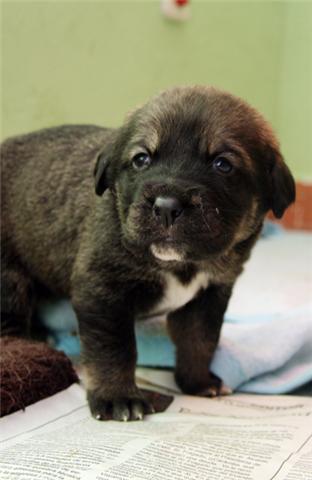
194,171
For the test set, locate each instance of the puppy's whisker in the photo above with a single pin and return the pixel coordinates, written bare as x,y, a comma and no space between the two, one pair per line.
203,214
218,211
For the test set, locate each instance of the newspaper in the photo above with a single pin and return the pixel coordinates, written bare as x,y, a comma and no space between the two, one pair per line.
238,437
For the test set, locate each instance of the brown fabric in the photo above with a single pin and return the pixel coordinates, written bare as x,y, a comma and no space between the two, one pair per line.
30,371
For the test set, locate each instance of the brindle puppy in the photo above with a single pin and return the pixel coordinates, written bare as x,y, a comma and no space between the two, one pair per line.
182,190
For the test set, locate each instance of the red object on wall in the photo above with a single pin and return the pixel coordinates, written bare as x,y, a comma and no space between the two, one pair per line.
181,3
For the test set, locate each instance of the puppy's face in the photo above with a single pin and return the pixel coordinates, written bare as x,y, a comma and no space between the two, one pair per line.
194,171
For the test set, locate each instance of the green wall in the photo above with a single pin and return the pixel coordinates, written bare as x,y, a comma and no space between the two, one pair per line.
92,61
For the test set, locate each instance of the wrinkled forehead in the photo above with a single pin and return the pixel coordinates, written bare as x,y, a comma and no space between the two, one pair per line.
197,123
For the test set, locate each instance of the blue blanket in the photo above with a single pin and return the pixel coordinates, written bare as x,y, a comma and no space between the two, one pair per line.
266,340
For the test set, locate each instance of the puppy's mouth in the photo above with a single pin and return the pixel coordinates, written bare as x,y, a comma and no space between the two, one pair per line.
197,234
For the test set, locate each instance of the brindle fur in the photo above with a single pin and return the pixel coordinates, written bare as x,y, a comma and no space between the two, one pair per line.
59,236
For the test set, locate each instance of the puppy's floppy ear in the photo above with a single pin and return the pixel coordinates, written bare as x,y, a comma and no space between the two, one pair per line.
283,190
100,173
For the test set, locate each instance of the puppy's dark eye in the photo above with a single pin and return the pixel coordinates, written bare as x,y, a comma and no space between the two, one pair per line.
222,165
141,160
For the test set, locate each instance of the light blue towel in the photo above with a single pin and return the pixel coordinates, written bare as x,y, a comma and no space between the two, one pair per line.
262,357
266,340
270,356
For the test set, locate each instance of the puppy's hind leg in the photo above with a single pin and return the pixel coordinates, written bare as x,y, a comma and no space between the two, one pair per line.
17,299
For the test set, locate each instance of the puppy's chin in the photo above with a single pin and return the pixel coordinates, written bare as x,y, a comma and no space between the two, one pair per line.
166,253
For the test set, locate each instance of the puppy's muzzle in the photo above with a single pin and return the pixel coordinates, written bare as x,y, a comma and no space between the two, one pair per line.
167,210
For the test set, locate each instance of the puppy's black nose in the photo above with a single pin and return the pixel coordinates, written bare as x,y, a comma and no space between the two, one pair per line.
167,209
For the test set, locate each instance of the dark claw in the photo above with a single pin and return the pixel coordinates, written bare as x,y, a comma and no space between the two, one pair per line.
215,389
137,412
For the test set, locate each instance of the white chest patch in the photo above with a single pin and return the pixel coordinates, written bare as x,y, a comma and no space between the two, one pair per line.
176,294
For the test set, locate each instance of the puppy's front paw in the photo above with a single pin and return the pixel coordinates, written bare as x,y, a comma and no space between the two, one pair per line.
206,385
120,408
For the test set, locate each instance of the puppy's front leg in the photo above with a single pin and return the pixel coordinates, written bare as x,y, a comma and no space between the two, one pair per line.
109,359
195,330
